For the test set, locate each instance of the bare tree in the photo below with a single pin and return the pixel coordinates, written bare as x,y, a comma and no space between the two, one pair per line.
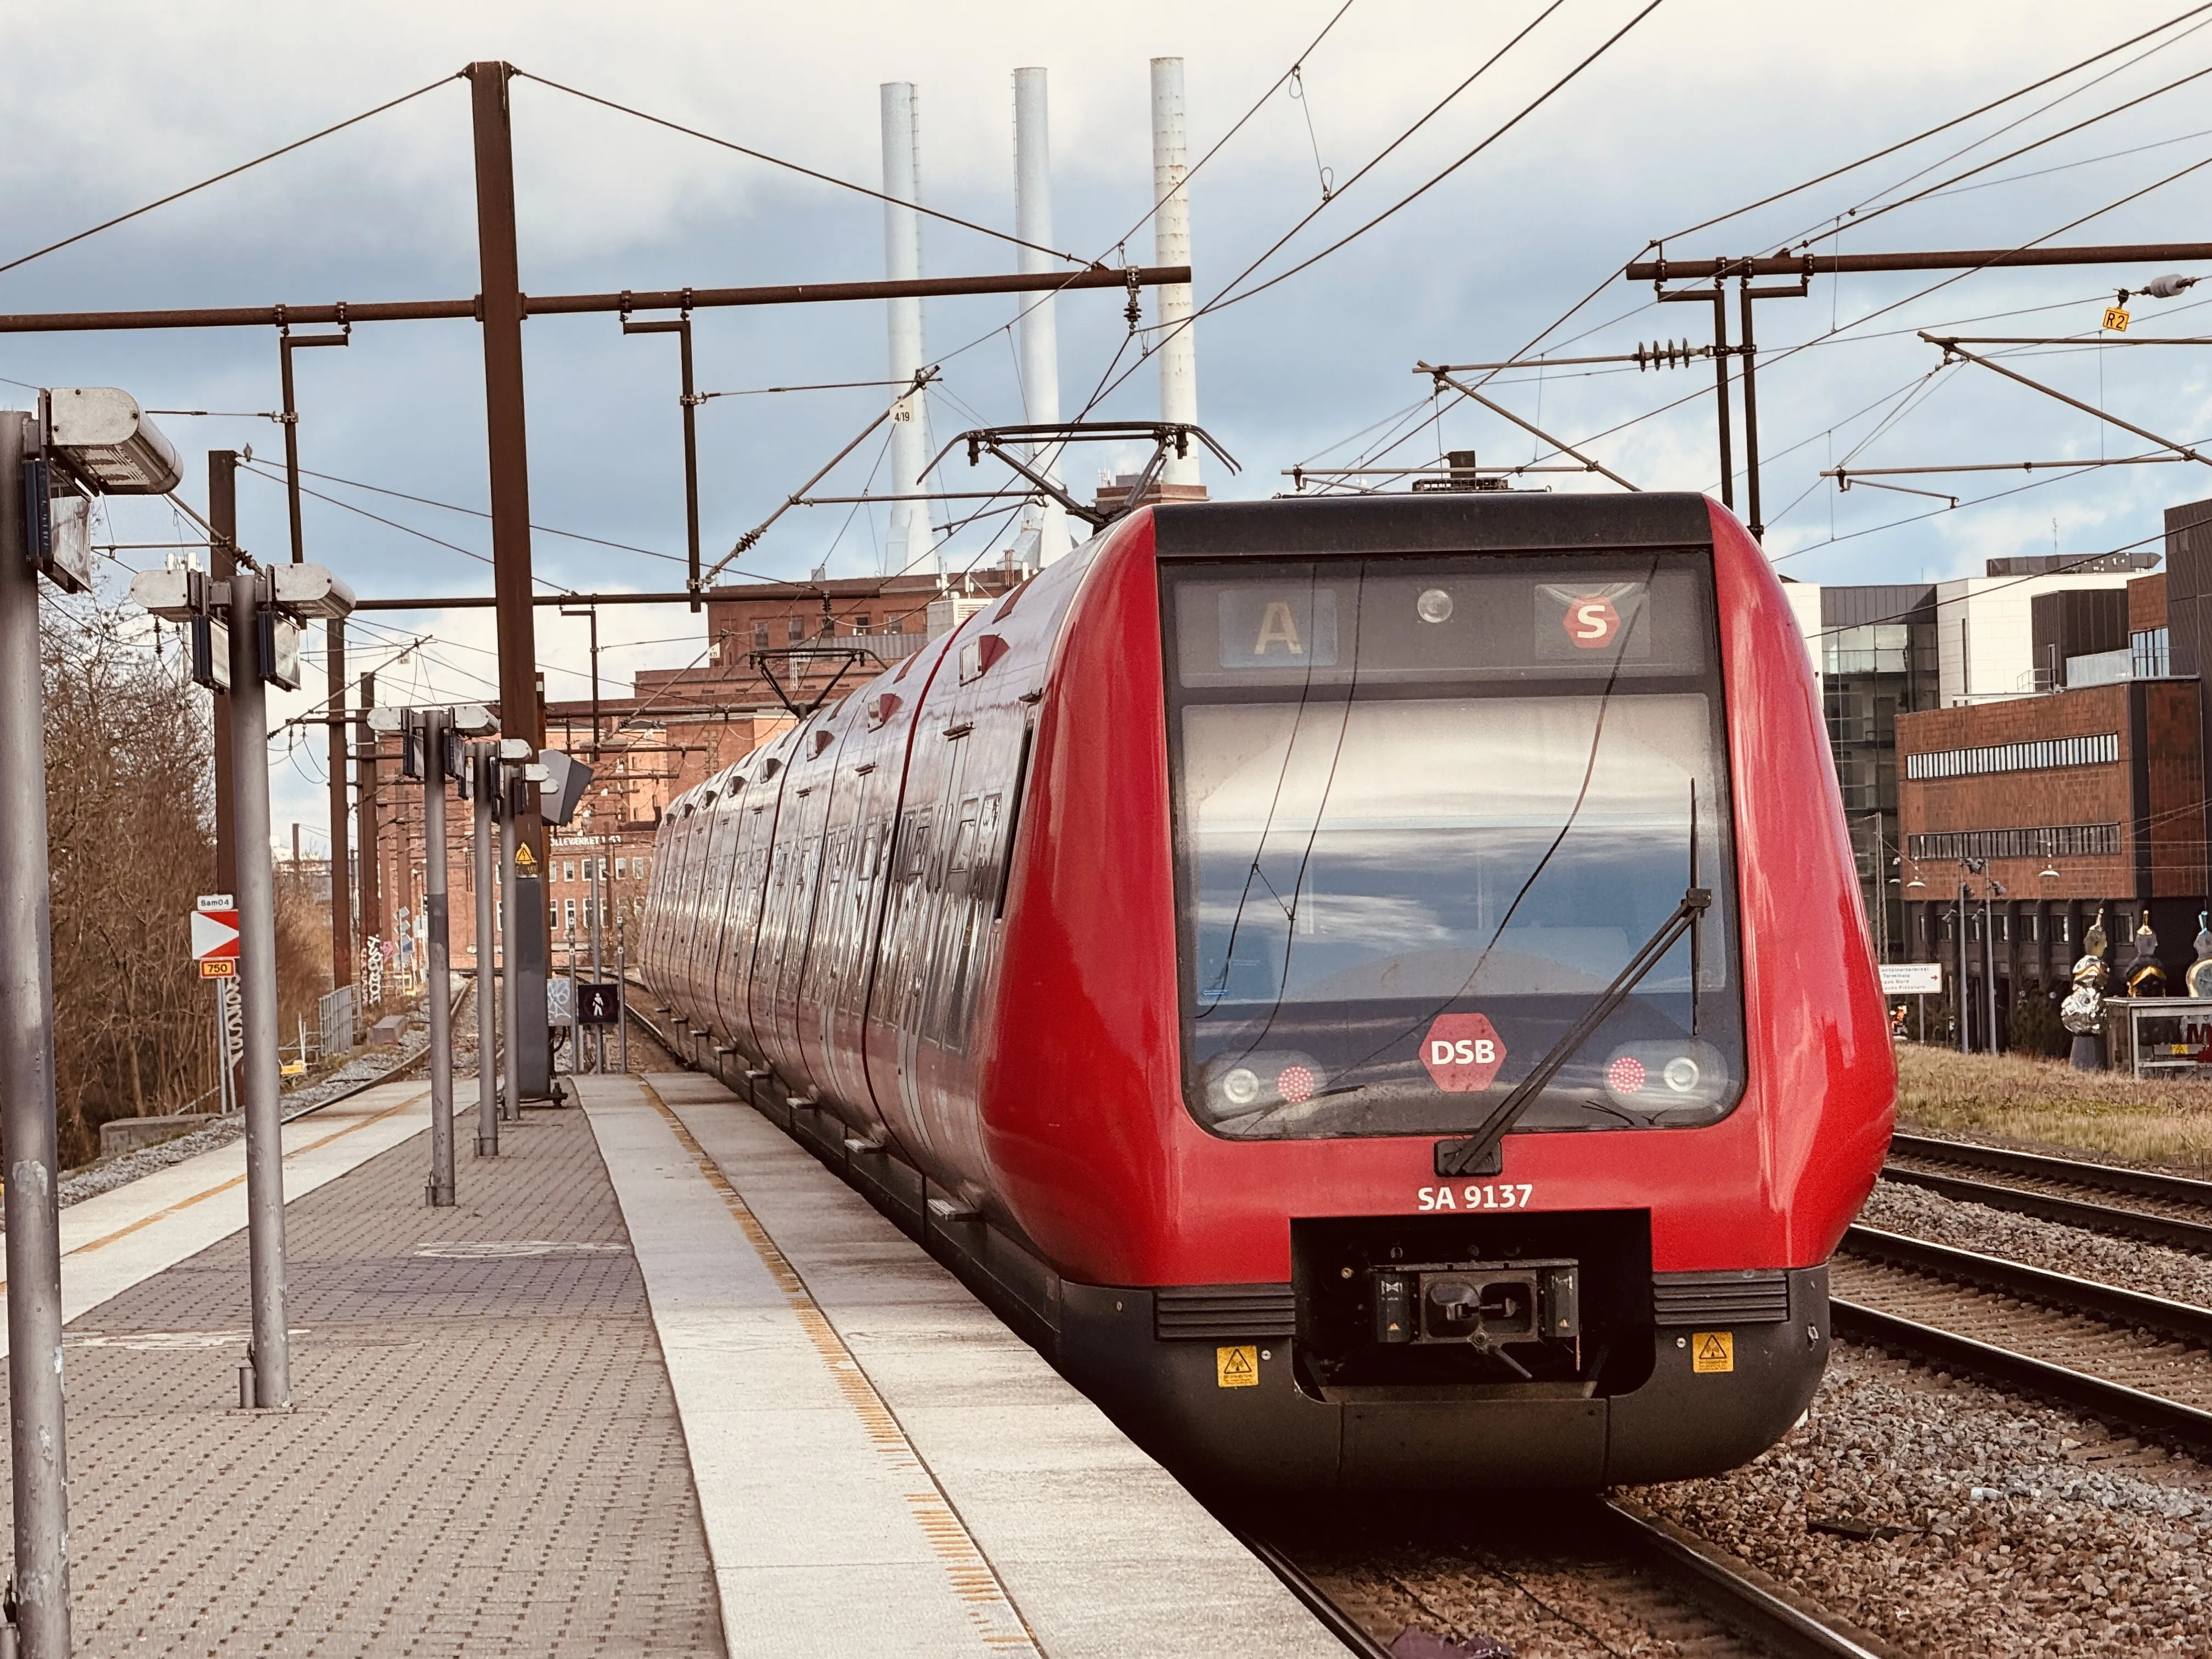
130,814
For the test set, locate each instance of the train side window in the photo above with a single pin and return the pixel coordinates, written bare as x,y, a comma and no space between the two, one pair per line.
917,844
1013,824
964,841
987,830
868,857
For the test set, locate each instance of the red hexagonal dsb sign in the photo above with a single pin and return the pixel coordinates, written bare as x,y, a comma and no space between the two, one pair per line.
1462,1052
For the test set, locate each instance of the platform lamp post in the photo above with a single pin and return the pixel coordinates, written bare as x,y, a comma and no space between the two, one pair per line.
431,749
82,441
261,609
1910,886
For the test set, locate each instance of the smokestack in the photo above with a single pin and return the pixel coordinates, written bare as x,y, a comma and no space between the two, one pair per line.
911,545
1178,350
1038,332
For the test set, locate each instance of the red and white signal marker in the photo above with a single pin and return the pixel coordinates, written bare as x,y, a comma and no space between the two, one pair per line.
215,936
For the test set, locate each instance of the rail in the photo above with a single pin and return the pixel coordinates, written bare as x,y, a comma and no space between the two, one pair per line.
2148,1415
2069,1211
2107,1178
1782,1627
398,1069
2084,1296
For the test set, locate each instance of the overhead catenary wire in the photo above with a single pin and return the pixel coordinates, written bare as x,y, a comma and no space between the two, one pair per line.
1930,132
2009,155
394,523
472,512
1838,331
1834,225
804,171
1823,178
229,173
1227,295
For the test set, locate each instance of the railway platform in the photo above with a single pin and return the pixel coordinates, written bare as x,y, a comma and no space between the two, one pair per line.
658,1384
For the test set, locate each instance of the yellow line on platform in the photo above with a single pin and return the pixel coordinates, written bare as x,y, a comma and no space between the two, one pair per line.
975,1581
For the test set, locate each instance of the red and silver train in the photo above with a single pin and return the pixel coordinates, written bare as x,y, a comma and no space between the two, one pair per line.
1375,989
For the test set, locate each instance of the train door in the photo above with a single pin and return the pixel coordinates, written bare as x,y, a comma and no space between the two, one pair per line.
706,895
906,960
757,872
844,998
718,849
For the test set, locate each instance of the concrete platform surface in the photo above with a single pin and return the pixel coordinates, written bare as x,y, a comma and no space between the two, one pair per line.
484,1455
881,1465
117,1239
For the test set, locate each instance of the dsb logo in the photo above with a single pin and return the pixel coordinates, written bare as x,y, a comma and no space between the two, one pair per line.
1462,1053
1466,1052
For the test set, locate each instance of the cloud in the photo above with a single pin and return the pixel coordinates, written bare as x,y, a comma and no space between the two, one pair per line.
1702,108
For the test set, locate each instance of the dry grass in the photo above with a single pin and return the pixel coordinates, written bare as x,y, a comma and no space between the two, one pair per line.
2047,1103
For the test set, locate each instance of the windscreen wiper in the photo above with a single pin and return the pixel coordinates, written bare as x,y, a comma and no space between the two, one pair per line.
1473,1155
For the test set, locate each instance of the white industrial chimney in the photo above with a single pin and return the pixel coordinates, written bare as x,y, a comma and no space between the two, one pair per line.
912,546
1038,332
1178,350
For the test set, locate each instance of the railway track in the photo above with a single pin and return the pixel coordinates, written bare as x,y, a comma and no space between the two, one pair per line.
2162,1209
2133,1361
1601,1568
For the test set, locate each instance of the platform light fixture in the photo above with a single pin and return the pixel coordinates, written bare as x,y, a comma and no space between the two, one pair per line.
290,594
102,435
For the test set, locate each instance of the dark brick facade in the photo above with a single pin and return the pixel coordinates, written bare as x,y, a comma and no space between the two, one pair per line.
2127,834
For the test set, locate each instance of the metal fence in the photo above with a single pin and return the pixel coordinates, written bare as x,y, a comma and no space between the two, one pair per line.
335,1017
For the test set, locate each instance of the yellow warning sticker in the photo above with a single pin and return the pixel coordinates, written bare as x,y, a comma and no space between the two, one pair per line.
1712,1350
1236,1368
523,859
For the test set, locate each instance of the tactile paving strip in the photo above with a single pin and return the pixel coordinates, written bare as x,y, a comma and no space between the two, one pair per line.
485,1457
991,1612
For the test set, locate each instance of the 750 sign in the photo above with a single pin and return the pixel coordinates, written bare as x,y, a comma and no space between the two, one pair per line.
215,936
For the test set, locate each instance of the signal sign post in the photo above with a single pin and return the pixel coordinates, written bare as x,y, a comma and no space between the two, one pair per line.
215,936
214,948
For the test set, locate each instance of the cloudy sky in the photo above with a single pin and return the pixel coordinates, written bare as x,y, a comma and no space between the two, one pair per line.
1699,109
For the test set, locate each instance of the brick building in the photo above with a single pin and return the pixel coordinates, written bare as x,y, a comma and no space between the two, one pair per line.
2049,807
765,646
1880,652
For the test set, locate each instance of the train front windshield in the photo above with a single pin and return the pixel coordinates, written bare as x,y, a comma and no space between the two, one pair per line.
1426,811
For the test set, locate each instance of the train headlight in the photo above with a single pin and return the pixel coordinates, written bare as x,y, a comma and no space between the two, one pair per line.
1434,607
1680,1075
1240,1085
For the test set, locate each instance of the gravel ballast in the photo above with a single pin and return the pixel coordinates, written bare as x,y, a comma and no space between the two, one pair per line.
2153,1269
1949,1519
